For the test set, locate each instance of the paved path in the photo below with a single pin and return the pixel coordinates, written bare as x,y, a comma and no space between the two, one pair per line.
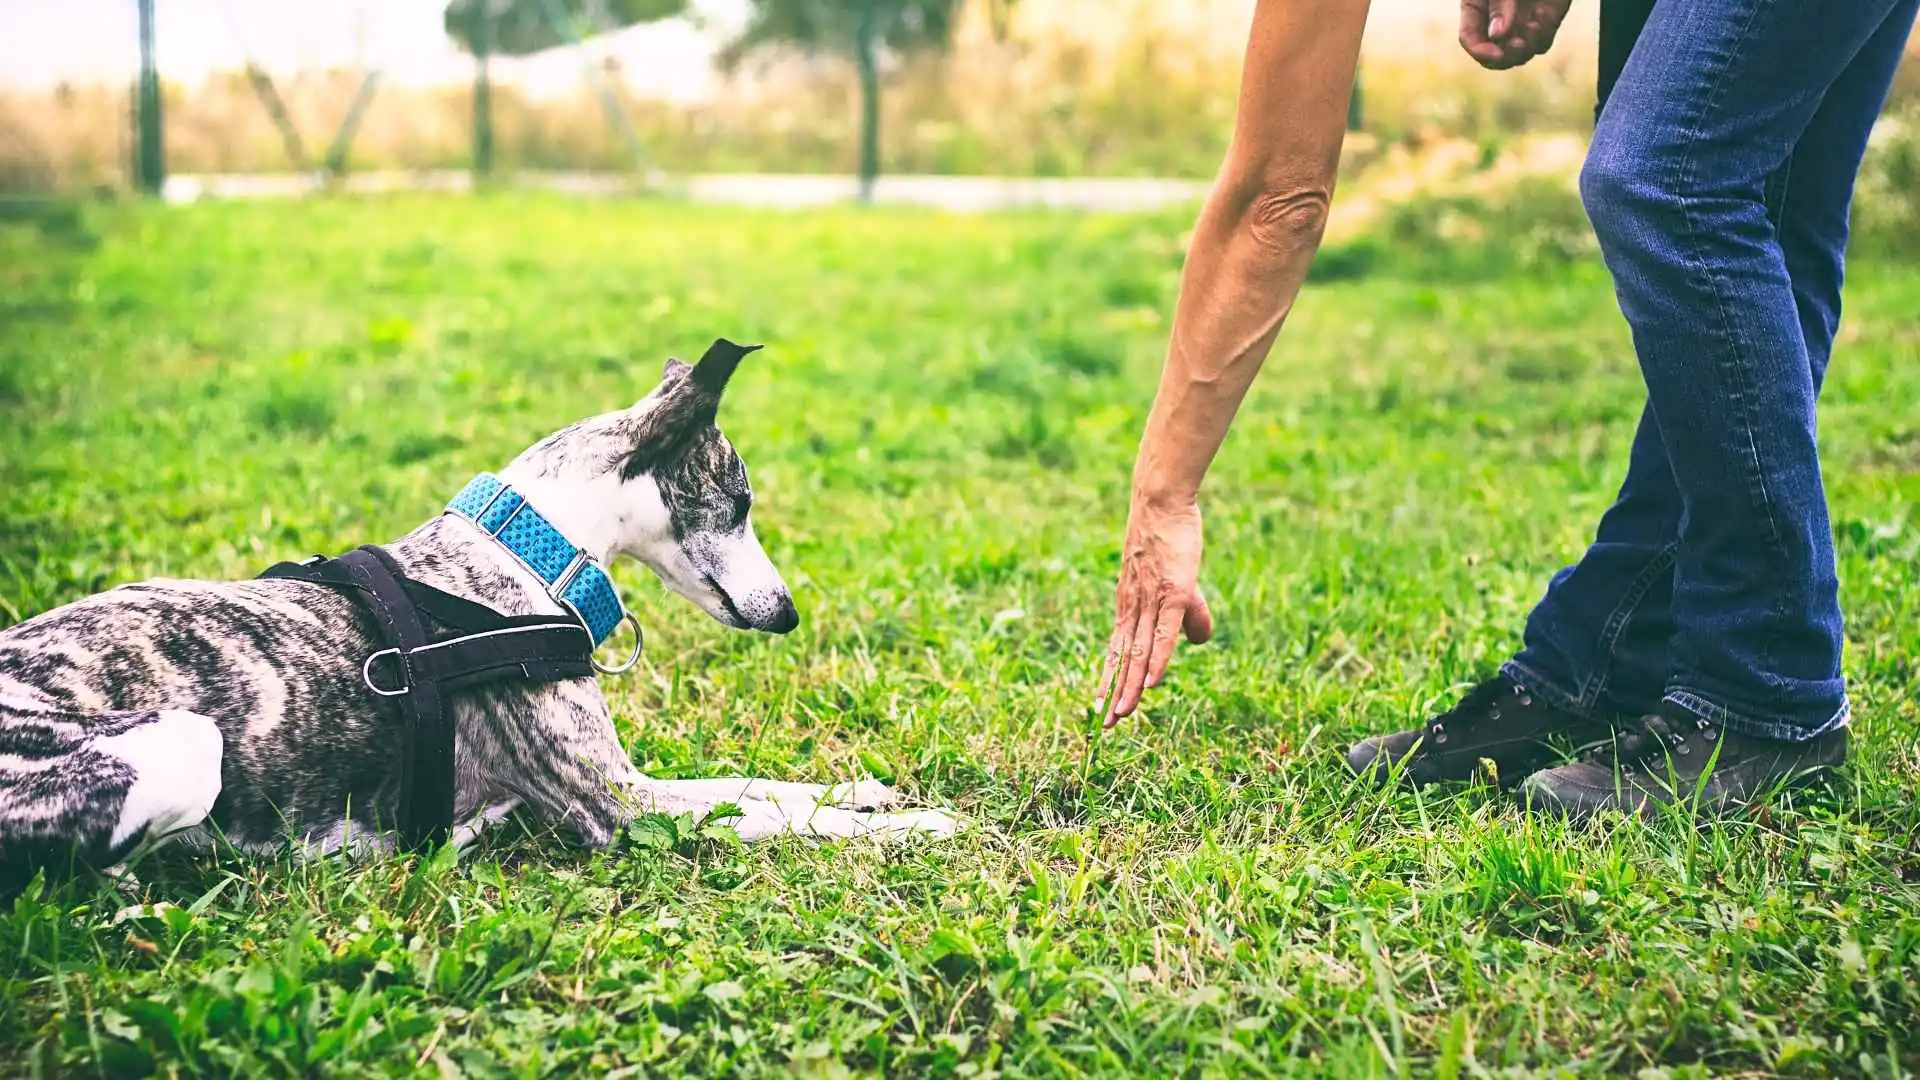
960,193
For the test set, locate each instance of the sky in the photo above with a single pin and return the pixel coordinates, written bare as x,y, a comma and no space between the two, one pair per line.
46,42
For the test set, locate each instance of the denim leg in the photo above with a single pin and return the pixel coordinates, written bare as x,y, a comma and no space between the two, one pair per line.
1605,624
1709,110
1596,643
1815,188
1599,638
1807,200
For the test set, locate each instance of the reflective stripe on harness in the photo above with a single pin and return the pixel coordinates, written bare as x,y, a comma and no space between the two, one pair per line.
434,643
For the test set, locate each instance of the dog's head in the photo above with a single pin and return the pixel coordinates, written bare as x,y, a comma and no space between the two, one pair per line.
660,483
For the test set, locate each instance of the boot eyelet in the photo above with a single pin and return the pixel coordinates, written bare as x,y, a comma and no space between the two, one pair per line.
1439,734
1494,713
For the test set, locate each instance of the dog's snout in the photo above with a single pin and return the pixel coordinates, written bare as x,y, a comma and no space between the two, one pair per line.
784,619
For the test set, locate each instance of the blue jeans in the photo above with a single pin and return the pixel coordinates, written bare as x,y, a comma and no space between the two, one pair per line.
1718,183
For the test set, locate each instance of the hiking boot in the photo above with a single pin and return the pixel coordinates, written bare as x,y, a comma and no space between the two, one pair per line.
1499,721
1673,756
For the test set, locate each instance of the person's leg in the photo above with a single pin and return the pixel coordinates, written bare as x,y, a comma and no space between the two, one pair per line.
1711,105
1749,617
1807,202
1597,646
1725,220
1596,643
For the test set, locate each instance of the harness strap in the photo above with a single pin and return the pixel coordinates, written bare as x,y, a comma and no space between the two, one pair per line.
426,805
419,668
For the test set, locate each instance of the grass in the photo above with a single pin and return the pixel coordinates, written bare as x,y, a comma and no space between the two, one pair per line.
939,435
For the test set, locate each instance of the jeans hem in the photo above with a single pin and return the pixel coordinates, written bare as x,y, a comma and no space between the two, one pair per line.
1541,686
1694,702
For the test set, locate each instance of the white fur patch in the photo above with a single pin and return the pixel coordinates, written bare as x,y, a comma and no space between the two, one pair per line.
176,773
467,832
774,808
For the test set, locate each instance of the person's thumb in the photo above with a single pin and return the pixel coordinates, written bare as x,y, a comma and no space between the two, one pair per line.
1199,621
1500,22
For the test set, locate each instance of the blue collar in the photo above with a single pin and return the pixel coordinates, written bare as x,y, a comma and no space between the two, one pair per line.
572,576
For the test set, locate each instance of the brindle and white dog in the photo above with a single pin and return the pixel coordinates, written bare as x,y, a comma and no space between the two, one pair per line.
201,710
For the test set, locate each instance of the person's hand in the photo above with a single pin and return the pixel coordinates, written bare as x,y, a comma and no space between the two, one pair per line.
1158,597
1500,34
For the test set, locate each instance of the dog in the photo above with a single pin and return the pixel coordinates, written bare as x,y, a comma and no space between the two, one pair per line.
252,712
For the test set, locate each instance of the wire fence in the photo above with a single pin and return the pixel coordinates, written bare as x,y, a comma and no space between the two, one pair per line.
268,96
268,86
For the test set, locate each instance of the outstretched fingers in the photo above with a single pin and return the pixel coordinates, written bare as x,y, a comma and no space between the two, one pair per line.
1166,634
1135,654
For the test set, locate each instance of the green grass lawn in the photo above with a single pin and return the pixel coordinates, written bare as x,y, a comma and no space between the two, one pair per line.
939,435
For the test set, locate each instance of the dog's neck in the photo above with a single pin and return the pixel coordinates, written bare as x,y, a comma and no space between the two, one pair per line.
586,510
575,479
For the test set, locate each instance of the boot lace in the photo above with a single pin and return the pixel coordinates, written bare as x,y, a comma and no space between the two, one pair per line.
1482,703
1651,735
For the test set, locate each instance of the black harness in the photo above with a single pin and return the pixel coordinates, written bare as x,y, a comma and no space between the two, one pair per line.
434,644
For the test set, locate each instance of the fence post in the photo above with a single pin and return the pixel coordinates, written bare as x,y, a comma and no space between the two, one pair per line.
482,36
151,166
865,47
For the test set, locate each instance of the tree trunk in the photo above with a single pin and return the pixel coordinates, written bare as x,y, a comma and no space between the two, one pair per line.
482,38
866,48
150,166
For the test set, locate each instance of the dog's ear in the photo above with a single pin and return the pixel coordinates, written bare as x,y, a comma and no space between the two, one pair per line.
686,403
717,364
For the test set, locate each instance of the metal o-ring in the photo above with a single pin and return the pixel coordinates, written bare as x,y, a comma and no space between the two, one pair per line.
639,643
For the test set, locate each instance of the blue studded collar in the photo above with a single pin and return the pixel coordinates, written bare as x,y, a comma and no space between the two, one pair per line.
572,576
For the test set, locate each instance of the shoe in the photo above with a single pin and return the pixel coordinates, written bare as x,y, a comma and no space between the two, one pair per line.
1673,757
1499,721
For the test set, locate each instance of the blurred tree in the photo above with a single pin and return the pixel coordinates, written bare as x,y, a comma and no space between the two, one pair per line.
483,28
524,27
858,29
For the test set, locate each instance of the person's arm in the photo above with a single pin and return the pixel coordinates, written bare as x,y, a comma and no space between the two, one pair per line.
1250,251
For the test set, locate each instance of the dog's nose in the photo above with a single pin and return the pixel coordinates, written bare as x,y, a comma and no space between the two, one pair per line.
785,618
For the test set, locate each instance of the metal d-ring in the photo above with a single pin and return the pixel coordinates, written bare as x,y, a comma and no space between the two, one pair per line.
366,674
639,643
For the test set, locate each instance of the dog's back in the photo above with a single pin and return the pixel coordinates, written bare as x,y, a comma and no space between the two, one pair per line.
272,664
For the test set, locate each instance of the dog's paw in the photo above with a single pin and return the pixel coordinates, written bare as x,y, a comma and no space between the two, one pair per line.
761,820
863,794
775,808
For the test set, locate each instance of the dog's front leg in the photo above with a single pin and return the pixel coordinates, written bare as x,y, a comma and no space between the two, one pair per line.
559,752
771,808
556,751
